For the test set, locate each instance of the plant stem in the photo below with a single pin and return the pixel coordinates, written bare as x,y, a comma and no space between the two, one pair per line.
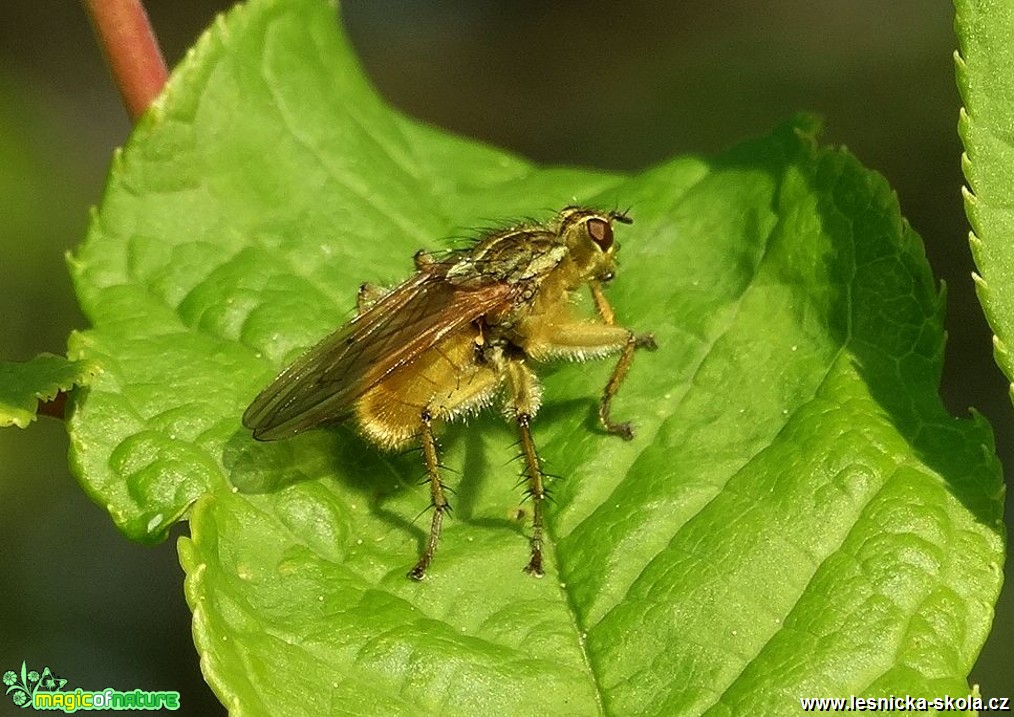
131,50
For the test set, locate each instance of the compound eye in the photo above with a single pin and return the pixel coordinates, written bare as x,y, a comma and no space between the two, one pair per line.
601,233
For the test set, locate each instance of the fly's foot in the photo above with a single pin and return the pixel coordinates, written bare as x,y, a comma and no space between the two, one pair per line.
534,566
419,571
646,342
623,430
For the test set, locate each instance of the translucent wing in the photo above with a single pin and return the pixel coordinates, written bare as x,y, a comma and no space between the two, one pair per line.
323,384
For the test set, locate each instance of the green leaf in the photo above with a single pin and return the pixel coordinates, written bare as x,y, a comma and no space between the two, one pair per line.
985,74
23,385
797,516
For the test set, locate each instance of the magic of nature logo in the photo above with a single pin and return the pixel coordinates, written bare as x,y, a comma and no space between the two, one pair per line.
45,691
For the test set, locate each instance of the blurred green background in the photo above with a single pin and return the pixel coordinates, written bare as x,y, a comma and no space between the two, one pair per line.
599,84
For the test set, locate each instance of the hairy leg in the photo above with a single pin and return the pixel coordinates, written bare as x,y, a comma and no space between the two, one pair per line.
437,497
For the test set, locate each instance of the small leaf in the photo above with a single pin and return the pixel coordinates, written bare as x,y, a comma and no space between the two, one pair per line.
23,385
797,516
985,75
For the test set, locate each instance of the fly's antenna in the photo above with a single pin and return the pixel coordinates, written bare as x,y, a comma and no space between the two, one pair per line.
621,216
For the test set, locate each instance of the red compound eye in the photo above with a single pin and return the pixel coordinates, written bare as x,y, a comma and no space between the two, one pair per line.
601,233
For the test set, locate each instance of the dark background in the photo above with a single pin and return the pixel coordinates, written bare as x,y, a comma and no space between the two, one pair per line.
599,84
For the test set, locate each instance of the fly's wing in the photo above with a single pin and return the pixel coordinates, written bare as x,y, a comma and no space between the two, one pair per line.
322,384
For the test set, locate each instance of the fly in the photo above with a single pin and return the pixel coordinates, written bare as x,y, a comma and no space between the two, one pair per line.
463,331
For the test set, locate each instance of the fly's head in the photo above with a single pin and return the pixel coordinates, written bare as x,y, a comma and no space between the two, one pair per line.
588,235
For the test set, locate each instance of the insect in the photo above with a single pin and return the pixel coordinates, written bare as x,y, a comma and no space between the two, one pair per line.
461,332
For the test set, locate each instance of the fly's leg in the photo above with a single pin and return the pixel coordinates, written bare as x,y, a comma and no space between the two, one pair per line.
580,340
525,397
437,498
602,304
634,342
537,489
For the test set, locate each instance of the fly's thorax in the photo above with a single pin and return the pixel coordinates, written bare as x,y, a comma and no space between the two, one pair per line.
515,256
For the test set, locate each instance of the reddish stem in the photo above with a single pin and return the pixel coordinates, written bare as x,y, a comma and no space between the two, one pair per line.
131,51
